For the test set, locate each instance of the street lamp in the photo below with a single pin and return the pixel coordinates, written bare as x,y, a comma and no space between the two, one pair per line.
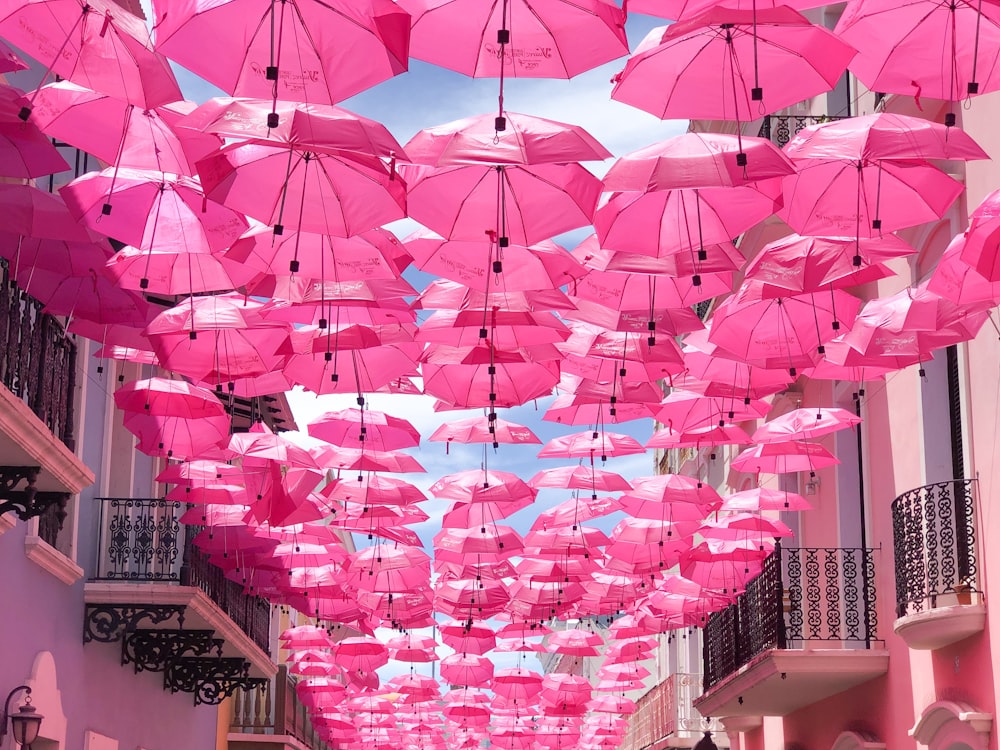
24,725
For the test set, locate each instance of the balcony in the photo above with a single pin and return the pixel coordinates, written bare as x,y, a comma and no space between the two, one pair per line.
805,629
271,717
938,598
38,372
780,129
169,608
665,717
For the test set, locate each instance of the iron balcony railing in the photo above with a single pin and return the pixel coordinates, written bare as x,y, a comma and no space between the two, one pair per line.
274,708
780,129
143,541
802,595
934,544
37,358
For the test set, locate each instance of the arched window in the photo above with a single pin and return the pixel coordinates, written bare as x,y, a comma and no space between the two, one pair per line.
950,725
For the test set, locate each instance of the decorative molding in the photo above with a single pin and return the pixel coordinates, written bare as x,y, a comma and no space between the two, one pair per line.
51,560
47,698
211,680
944,722
941,626
63,470
153,650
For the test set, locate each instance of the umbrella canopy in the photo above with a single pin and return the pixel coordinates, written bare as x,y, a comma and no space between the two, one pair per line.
493,39
707,61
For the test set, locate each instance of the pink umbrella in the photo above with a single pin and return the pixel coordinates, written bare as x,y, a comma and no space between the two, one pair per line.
369,255
467,669
580,478
120,133
513,268
469,386
959,282
178,437
697,160
805,424
519,204
672,488
493,542
157,211
308,52
871,138
100,45
699,437
306,125
31,212
374,490
482,486
160,397
25,152
686,221
483,430
923,49
982,239
708,58
574,511
799,265
175,271
642,292
504,330
720,257
216,339
764,499
713,375
587,444
743,526
783,332
449,295
523,140
354,371
822,199
686,410
784,458
310,190
494,39
358,428
568,408
351,459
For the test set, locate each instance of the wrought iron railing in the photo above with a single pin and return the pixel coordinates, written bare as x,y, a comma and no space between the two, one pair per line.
802,595
142,540
274,708
780,129
37,358
934,544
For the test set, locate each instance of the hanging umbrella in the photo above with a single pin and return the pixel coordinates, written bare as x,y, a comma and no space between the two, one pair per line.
179,437
783,332
304,188
697,160
523,203
982,238
471,386
9,61
483,430
31,212
359,428
156,210
761,498
467,669
699,437
496,542
805,424
120,133
924,49
784,458
160,397
25,152
799,265
697,222
496,39
707,60
957,281
99,44
575,510
374,490
587,444
441,294
481,485
845,198
684,410
370,255
305,51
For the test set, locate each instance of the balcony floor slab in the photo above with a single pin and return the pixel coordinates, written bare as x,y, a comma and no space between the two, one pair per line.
781,681
941,626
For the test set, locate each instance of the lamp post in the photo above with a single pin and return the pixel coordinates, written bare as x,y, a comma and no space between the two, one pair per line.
24,725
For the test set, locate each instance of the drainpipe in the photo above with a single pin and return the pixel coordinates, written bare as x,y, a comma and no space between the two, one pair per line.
865,583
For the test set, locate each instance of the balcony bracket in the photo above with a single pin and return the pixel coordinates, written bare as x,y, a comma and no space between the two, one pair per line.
154,650
107,623
211,680
26,502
